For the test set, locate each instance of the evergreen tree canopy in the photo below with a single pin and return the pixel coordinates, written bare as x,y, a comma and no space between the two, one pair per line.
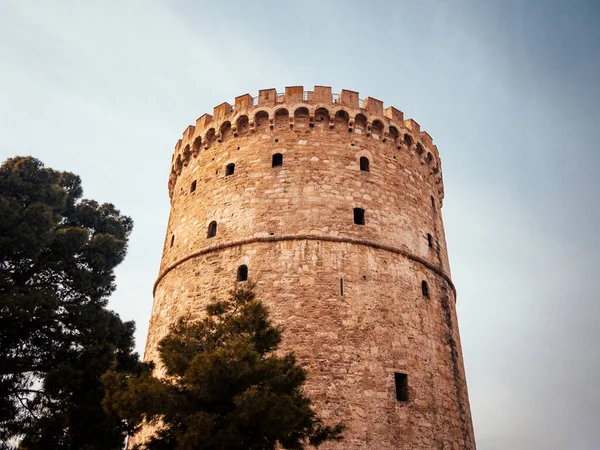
223,386
57,258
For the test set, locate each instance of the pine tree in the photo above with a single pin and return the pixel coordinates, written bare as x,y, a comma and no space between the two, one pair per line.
57,255
224,386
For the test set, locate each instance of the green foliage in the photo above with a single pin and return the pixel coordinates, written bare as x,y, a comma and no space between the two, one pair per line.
57,255
224,386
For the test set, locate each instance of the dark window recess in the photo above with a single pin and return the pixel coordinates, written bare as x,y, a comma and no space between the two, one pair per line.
242,273
172,240
425,289
341,286
229,169
401,382
364,164
277,160
432,201
193,186
429,240
212,229
359,216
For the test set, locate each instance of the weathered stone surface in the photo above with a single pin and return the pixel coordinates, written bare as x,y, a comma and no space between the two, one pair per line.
293,227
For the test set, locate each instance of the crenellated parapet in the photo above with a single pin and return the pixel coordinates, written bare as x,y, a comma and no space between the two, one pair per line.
300,111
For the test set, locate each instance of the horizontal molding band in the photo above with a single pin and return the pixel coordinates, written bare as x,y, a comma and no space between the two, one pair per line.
307,237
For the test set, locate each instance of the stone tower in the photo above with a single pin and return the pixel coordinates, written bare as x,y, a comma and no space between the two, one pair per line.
332,205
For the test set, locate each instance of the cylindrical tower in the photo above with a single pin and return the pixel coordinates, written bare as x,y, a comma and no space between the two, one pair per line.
332,205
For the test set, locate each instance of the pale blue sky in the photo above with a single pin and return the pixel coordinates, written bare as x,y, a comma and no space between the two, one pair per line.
508,90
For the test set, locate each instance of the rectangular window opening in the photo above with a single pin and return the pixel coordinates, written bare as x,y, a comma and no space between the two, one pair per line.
401,381
359,216
277,160
341,286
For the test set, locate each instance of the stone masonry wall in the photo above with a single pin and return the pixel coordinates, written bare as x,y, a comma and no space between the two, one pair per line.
293,227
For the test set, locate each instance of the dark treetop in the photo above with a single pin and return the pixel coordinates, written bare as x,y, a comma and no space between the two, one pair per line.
57,258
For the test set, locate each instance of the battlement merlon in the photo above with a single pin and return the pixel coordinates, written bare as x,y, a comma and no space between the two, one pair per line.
243,103
221,111
202,123
320,94
395,115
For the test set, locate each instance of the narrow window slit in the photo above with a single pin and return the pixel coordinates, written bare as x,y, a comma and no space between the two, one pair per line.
424,289
242,273
401,382
364,164
359,216
212,230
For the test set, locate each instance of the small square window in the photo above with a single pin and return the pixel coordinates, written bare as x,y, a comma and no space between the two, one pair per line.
277,160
